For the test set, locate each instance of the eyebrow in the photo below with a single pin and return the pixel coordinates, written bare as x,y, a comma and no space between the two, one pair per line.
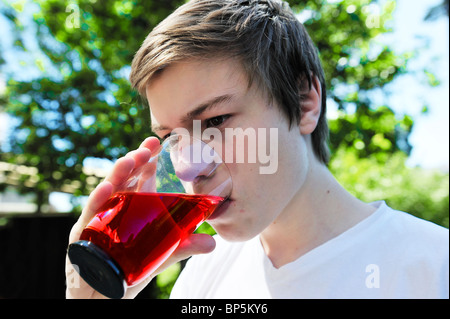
158,128
207,106
199,110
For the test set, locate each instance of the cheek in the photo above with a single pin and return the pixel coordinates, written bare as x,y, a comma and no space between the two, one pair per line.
256,195
280,187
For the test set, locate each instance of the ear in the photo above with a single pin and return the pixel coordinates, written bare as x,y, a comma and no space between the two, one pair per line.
311,105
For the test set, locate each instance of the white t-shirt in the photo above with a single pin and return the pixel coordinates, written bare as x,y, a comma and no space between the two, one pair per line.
390,254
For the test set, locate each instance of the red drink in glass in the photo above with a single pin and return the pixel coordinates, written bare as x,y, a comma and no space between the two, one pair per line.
139,231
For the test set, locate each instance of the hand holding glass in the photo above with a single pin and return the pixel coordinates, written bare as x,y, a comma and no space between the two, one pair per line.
150,214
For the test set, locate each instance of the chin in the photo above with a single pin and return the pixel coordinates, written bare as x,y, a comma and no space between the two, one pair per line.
236,224
234,233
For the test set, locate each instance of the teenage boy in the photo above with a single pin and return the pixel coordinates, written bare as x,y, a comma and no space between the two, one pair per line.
293,233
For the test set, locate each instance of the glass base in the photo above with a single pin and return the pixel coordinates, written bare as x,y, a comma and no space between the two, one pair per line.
99,270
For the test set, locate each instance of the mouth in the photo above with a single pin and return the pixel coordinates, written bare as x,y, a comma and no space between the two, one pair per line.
221,209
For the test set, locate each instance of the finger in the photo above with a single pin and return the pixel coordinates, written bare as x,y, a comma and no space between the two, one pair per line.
140,156
151,143
121,170
96,200
195,244
147,182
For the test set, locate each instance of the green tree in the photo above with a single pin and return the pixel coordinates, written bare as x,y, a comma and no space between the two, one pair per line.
79,103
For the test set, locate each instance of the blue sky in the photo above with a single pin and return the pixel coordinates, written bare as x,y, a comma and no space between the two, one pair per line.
410,93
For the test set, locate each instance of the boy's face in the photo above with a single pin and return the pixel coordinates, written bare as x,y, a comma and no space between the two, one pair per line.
217,94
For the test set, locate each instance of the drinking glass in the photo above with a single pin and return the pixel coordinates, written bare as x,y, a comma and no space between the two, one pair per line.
149,215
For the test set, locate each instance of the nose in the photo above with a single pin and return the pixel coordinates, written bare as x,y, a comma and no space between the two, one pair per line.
192,172
193,160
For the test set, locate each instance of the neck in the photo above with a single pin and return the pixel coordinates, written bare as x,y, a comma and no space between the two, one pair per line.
318,212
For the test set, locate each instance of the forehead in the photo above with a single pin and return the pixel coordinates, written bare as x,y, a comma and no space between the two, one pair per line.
185,85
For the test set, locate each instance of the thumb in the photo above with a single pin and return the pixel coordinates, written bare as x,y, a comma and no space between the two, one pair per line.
195,244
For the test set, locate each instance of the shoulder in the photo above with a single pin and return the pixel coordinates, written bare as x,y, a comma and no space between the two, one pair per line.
415,241
417,252
417,230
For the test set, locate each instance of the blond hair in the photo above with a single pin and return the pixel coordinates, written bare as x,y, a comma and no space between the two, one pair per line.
265,36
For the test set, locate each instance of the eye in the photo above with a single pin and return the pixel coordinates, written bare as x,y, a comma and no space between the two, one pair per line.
217,121
162,139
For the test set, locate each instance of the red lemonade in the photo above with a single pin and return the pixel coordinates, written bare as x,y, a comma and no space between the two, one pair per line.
140,230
